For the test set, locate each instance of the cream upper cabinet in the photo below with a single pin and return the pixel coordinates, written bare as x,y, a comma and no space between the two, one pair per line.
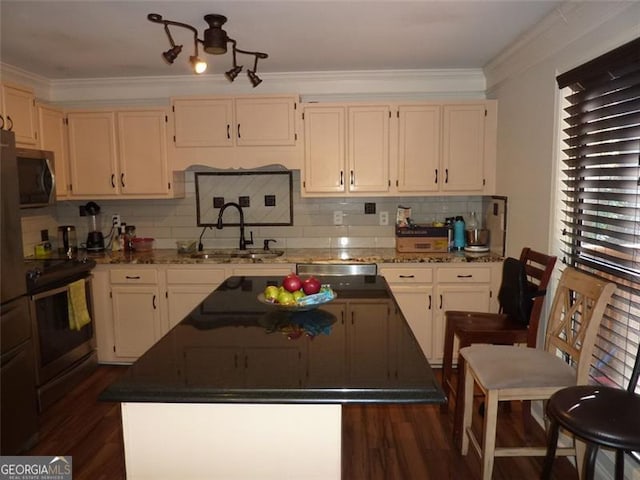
346,149
324,149
53,136
463,148
419,140
265,121
93,153
203,122
18,113
120,154
234,121
142,152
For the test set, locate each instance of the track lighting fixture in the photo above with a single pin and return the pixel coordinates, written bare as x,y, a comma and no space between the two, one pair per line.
215,42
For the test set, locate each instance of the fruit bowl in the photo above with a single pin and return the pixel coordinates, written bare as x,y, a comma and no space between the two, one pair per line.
314,301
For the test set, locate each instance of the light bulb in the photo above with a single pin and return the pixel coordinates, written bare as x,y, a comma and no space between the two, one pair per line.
198,65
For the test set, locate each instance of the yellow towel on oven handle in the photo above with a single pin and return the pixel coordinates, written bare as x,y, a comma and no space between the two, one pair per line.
77,306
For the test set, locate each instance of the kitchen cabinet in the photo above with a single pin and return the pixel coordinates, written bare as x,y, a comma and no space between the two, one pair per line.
469,287
463,148
18,112
360,339
346,149
228,121
413,290
53,136
120,154
137,321
234,132
187,286
419,141
399,149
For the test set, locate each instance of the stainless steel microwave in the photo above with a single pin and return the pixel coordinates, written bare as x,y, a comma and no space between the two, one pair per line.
36,178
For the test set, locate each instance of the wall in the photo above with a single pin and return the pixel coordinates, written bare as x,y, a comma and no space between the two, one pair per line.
522,79
171,220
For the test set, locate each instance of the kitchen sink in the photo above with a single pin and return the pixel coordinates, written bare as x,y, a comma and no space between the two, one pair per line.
253,253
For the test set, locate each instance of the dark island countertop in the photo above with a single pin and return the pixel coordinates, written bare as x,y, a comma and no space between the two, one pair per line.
234,349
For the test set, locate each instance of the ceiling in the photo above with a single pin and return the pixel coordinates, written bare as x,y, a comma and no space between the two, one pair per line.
97,39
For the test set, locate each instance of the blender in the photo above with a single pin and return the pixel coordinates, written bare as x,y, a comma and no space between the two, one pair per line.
95,239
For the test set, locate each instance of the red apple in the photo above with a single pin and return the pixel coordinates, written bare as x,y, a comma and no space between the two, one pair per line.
311,285
292,282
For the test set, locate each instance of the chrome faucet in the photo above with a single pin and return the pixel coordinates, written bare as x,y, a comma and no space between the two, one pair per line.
243,242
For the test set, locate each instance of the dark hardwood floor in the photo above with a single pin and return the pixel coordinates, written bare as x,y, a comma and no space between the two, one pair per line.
380,442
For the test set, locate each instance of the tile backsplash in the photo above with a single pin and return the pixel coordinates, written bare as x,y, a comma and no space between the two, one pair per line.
313,220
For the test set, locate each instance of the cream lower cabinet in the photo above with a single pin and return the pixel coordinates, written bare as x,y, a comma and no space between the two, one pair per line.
187,286
413,290
469,288
136,306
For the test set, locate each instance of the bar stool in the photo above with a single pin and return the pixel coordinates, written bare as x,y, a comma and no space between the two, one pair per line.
598,415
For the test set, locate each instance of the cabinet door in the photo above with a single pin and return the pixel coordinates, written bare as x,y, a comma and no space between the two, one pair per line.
368,327
265,121
19,112
142,145
182,299
463,147
368,149
324,150
203,122
136,318
416,304
470,297
93,153
419,148
53,136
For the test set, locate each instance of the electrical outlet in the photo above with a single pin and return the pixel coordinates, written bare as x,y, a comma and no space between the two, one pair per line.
384,218
337,217
115,220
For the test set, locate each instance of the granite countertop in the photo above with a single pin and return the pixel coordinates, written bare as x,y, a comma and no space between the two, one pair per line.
233,348
302,255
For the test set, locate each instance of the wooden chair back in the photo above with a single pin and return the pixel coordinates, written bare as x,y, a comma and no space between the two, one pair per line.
539,267
576,313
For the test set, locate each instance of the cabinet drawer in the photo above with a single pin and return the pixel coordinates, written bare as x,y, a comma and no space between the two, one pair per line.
464,275
200,276
132,275
407,275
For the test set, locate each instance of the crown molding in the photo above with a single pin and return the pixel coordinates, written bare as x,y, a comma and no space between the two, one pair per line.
343,85
41,85
567,23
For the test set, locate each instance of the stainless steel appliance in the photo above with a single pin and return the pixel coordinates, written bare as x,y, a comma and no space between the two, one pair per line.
36,179
18,410
64,356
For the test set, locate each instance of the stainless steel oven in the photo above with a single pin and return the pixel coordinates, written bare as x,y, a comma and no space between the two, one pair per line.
63,355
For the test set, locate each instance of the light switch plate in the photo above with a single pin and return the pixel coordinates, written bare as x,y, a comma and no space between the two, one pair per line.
337,217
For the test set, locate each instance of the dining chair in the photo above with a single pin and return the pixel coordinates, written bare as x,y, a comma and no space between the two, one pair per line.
599,416
517,322
508,372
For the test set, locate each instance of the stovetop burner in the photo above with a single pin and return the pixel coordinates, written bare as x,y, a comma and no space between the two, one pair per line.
46,274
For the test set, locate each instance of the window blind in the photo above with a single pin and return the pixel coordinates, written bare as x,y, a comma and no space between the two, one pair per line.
601,196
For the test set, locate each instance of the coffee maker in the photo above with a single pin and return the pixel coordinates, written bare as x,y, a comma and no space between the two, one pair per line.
95,239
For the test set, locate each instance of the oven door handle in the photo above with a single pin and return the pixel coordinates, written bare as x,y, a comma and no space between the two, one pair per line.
55,291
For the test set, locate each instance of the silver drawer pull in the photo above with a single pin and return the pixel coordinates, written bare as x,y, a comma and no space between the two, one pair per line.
465,276
407,276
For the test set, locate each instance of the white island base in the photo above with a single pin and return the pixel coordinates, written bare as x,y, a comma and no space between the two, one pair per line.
167,441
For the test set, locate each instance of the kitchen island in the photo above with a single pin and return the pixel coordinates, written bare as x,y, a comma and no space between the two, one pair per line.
240,389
